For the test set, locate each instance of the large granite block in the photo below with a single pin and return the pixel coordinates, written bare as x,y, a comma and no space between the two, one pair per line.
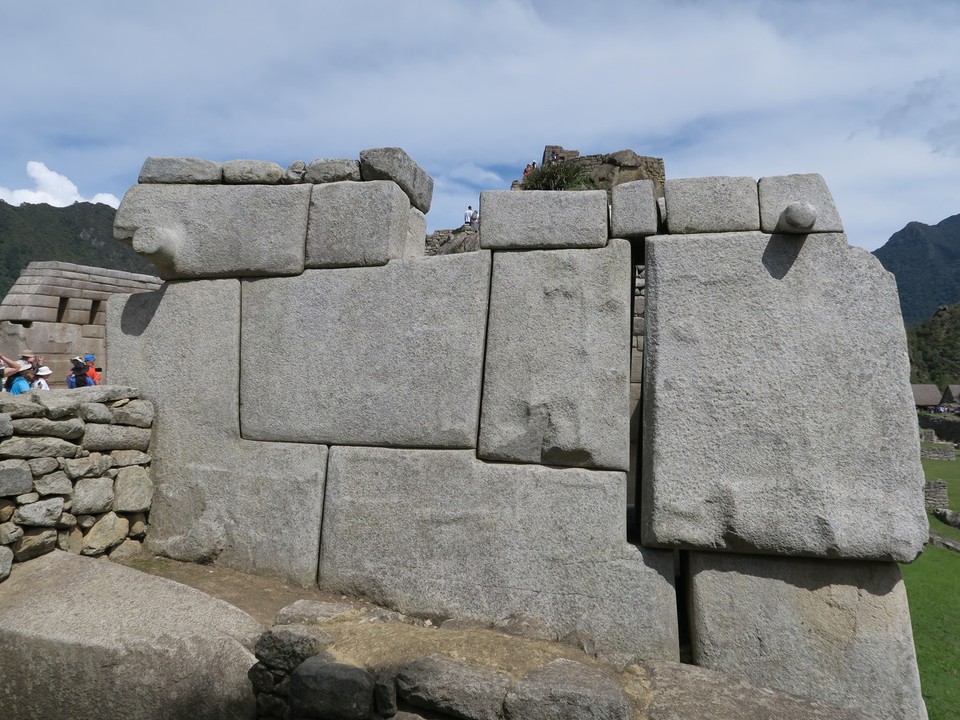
356,223
557,378
778,415
469,539
212,231
393,163
712,204
836,631
252,506
543,219
780,192
633,210
388,355
180,170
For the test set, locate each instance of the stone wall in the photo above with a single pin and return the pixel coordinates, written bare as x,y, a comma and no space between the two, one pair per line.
452,436
936,495
938,451
947,427
74,472
607,170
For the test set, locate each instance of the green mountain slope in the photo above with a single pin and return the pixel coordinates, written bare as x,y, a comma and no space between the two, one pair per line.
926,262
81,233
934,348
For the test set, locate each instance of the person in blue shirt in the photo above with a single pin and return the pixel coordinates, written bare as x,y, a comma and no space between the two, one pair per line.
19,382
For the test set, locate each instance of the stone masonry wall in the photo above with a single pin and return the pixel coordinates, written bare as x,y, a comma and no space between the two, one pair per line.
452,436
74,472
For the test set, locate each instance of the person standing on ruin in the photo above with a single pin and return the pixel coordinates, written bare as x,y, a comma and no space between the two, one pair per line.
467,214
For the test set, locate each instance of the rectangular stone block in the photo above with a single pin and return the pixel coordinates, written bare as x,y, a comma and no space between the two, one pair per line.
776,193
633,210
712,205
390,355
835,631
543,219
416,234
556,380
469,539
213,231
356,223
180,170
778,415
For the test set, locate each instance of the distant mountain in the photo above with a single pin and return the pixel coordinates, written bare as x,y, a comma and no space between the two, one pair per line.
926,262
81,233
935,348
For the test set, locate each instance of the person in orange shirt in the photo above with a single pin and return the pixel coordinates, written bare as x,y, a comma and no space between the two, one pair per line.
92,372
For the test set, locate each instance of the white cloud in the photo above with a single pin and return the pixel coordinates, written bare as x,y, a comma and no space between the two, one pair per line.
51,188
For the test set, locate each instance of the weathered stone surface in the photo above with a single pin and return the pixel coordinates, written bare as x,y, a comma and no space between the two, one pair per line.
138,413
126,550
92,495
543,219
252,506
61,403
804,438
19,406
778,193
95,412
283,647
323,689
32,544
251,172
6,425
311,611
42,466
833,631
633,211
15,477
56,483
138,525
190,231
109,531
393,163
331,170
455,688
712,204
135,641
93,464
294,173
10,533
373,331
27,498
416,234
66,521
115,437
356,223
133,490
67,429
556,385
6,562
70,540
123,458
384,692
7,506
567,690
180,170
34,447
43,513
560,554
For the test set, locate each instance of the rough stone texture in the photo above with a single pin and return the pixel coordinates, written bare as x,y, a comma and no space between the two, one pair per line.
18,406
136,645
455,688
180,170
779,192
373,331
6,562
61,403
15,477
556,385
123,458
294,173
126,550
56,483
138,413
543,219
109,531
190,231
311,611
804,437
248,172
416,234
32,544
567,690
283,647
393,163
70,541
559,553
43,513
323,689
384,690
330,170
833,631
34,447
686,692
115,437
67,429
92,465
252,506
134,490
712,204
41,466
633,210
10,533
356,223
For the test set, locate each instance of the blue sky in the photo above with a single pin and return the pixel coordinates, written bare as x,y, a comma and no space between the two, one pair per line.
865,93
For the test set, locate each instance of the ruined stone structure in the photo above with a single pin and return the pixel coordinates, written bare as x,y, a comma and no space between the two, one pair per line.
608,170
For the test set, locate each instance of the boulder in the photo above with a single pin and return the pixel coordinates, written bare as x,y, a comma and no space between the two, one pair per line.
567,690
454,688
543,219
251,172
331,170
180,170
712,205
323,689
284,647
392,163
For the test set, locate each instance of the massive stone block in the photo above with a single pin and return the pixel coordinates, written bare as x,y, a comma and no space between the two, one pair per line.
633,211
470,539
778,193
359,345
248,505
712,204
212,231
557,379
393,163
130,645
778,416
543,219
836,631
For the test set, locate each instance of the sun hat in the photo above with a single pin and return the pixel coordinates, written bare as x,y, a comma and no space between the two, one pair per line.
27,352
44,371
24,365
89,358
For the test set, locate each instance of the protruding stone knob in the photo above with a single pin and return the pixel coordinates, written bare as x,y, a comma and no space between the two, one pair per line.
798,217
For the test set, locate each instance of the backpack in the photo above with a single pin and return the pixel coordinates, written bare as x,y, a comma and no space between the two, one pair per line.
76,380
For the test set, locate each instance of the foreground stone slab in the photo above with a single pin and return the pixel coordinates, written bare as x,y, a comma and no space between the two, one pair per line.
835,631
543,219
252,506
134,645
712,204
486,541
557,378
393,163
778,416
372,334
211,231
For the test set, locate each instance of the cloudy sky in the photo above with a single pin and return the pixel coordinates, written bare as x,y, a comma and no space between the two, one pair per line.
864,92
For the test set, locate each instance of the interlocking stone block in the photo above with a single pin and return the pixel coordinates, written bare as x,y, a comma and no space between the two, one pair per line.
633,211
543,219
835,631
557,376
392,163
779,192
712,204
559,554
778,414
356,223
362,338
200,231
180,170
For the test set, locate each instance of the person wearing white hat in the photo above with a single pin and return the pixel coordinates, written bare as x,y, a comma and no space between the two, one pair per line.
19,382
42,373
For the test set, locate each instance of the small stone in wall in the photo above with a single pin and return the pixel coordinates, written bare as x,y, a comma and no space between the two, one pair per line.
95,413
113,437
27,498
7,506
66,521
138,525
85,522
56,483
122,458
109,531
15,477
34,543
92,495
43,466
138,413
43,513
69,429
70,540
6,425
283,647
10,533
35,447
455,688
6,562
133,489
126,550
